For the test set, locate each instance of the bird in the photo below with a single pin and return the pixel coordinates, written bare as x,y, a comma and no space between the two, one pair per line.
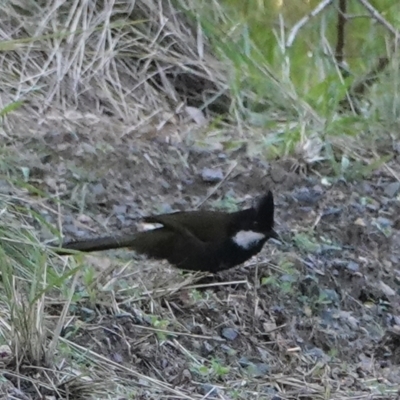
199,240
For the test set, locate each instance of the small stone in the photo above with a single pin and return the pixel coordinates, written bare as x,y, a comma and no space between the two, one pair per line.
332,211
386,289
392,189
307,197
353,266
98,189
229,333
206,349
117,358
384,222
338,263
327,318
5,187
212,175
258,370
396,320
209,390
228,350
366,188
373,206
278,174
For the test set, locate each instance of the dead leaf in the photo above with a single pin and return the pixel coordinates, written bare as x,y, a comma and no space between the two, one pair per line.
197,115
359,222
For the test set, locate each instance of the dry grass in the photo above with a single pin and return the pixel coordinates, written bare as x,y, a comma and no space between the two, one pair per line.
82,63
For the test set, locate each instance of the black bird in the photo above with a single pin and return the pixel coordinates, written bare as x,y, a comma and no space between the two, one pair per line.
197,240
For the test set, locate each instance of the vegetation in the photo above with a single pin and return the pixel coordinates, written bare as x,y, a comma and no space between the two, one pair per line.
222,76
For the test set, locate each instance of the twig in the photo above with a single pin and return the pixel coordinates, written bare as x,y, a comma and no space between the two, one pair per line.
341,22
376,15
361,86
293,33
216,187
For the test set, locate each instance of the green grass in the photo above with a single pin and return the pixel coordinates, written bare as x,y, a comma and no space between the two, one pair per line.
294,93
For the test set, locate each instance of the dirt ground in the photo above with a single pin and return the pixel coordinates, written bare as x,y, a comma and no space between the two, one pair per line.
316,316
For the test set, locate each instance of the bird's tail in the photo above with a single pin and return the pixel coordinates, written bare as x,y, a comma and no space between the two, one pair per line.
155,243
97,244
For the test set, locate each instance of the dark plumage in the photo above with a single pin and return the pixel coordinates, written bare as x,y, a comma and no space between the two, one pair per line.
197,240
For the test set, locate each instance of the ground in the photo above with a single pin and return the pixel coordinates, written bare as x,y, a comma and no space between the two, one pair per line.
316,315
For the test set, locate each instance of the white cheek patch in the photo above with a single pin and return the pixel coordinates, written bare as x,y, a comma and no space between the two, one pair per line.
247,239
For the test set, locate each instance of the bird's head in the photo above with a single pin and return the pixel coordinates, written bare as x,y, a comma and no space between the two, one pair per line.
257,225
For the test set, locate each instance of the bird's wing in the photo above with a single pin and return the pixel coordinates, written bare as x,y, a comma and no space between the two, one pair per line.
206,226
170,223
